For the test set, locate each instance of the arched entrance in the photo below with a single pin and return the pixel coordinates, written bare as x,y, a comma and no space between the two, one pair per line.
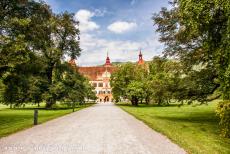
106,99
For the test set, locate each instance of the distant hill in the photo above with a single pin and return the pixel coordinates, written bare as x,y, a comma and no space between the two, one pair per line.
118,63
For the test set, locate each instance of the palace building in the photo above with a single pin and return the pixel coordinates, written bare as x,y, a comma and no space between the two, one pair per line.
99,77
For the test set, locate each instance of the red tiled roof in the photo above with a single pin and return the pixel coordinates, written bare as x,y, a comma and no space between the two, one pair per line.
95,71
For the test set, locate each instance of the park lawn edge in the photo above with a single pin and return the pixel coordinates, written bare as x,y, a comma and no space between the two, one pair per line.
47,120
157,130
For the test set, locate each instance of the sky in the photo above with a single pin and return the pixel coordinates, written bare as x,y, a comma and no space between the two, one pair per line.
119,27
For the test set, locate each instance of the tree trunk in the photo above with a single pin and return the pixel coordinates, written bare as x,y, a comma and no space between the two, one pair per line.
50,103
159,102
147,100
134,101
167,102
49,74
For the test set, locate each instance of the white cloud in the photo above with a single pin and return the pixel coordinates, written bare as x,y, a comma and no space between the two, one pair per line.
121,26
100,12
86,24
94,50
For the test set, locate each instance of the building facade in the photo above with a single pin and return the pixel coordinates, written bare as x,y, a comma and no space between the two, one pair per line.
99,78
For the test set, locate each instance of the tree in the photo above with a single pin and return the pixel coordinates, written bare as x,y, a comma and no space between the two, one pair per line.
135,92
24,83
75,85
128,83
21,23
160,77
70,86
34,42
62,41
196,32
142,75
21,29
120,80
89,91
211,22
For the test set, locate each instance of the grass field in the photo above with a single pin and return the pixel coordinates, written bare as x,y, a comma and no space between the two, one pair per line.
3,106
13,120
193,128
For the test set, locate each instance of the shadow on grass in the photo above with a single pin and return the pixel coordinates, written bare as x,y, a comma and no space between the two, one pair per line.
48,109
185,115
42,108
202,118
147,105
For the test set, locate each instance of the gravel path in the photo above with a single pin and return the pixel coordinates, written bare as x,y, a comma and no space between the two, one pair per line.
100,129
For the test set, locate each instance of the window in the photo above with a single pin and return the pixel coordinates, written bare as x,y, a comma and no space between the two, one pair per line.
100,84
100,92
94,84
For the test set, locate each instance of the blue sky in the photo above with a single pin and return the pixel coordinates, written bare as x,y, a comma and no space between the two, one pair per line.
120,27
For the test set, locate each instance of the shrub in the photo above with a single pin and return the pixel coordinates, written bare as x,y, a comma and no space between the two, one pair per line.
223,111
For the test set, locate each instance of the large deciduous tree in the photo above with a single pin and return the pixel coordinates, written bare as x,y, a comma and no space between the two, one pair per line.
129,82
121,79
61,40
198,33
21,25
34,43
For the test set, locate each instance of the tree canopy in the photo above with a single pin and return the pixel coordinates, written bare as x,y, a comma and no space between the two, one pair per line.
34,43
197,33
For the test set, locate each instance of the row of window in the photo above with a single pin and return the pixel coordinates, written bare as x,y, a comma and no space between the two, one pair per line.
103,92
100,84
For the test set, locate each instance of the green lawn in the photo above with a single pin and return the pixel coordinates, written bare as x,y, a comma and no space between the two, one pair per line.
2,106
13,120
193,128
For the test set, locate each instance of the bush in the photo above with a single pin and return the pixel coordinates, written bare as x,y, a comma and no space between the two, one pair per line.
223,111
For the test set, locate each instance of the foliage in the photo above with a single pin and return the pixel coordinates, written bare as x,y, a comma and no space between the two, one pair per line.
120,80
62,42
34,42
21,29
135,91
164,81
196,33
166,78
223,111
157,82
130,82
